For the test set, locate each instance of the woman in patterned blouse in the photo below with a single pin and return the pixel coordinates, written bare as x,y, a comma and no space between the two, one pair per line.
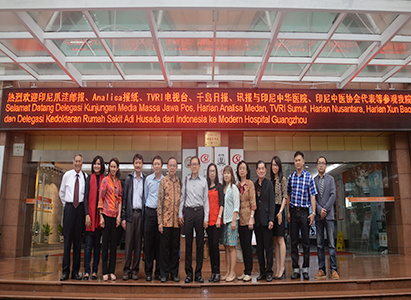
247,209
110,207
280,193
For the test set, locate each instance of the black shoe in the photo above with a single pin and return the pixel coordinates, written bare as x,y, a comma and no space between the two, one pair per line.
126,277
199,279
217,278
76,277
281,277
64,277
261,277
94,277
306,276
212,278
149,278
295,276
176,278
163,279
86,277
269,278
134,276
188,279
157,277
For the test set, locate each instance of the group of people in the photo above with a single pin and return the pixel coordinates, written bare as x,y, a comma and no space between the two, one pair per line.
159,208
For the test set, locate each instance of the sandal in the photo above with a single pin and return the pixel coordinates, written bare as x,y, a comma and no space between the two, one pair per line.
105,277
94,276
86,276
113,277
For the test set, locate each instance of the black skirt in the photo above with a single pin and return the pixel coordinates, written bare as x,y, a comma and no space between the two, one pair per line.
279,230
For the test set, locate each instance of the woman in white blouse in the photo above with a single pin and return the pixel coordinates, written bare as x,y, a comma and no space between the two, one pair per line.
230,221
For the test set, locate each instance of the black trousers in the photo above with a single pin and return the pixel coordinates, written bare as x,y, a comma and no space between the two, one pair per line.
170,248
213,242
92,245
151,241
194,219
299,221
73,228
246,247
134,237
110,237
264,238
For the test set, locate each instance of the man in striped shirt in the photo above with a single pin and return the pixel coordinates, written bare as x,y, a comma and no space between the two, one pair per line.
301,192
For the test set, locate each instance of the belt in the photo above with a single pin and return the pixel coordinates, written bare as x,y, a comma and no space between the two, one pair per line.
195,208
297,208
136,210
150,208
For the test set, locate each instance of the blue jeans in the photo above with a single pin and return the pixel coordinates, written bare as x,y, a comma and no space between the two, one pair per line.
330,227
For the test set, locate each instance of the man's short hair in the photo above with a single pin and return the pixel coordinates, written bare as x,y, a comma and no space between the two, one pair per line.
168,161
195,157
157,157
322,157
138,156
299,153
78,154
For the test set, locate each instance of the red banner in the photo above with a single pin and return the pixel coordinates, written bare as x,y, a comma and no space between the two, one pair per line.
205,109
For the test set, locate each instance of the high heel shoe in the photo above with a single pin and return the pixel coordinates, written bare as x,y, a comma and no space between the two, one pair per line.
113,277
105,277
281,277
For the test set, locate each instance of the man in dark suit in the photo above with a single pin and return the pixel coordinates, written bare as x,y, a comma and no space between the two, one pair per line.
264,222
325,219
132,212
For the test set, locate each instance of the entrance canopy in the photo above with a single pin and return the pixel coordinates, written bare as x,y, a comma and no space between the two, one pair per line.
299,41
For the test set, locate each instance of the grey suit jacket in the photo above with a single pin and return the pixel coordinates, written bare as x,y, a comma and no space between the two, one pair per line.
327,199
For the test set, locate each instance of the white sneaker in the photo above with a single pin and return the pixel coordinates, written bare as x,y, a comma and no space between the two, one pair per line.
241,277
247,278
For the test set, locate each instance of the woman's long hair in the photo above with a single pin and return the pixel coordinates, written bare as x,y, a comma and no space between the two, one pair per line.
229,169
216,180
280,168
103,167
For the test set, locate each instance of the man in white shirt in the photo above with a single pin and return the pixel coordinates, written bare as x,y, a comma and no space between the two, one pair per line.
72,196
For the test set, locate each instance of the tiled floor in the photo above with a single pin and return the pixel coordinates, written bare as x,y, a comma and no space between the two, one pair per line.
48,268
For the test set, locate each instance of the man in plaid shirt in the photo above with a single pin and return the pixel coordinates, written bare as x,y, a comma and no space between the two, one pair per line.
301,192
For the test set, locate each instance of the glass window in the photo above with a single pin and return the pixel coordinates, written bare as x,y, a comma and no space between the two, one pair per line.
246,20
403,73
190,68
132,47
395,51
120,20
9,22
183,20
240,47
60,21
187,47
96,68
284,69
141,68
327,70
366,23
82,47
47,69
299,21
25,47
374,71
11,69
295,48
236,68
344,49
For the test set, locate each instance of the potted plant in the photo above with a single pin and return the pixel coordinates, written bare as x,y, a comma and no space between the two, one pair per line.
60,232
47,231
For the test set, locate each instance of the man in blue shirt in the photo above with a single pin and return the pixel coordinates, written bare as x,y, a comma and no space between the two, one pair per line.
301,192
151,233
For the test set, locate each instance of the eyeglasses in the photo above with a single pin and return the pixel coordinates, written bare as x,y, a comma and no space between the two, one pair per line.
321,164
